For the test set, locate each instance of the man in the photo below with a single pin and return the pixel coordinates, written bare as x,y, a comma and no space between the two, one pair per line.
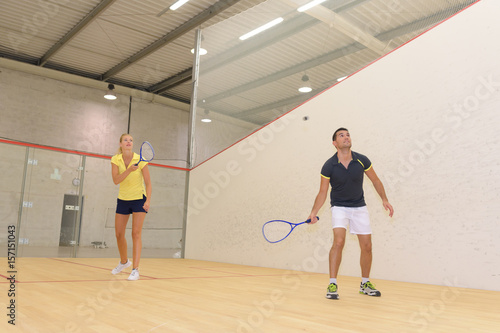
345,172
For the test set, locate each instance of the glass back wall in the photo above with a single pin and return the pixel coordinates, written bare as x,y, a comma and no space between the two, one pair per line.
63,205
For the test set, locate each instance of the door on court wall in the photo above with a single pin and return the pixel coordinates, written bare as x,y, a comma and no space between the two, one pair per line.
71,219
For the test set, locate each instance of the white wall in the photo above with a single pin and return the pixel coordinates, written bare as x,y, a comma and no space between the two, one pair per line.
427,116
50,112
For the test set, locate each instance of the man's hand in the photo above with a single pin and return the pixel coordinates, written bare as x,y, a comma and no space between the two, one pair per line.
388,207
313,218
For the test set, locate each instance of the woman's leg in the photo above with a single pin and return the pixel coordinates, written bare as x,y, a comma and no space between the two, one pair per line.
121,221
137,222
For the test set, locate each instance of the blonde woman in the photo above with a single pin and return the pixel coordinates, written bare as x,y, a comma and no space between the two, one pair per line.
134,198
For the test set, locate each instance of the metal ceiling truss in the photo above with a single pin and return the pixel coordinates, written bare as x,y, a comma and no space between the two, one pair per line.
327,13
238,52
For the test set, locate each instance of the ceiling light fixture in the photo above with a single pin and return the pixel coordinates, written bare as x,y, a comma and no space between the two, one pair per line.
310,5
206,119
178,4
202,51
110,94
305,87
262,28
341,78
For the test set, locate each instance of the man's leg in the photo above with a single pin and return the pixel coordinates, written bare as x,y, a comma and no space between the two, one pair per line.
335,259
367,288
365,244
336,251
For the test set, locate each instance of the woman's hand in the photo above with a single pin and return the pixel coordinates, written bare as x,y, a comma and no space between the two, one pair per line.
146,206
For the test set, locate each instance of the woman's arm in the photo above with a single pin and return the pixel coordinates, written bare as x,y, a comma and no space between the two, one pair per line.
119,177
149,188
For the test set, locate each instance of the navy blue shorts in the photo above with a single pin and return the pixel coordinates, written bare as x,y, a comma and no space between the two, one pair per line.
127,207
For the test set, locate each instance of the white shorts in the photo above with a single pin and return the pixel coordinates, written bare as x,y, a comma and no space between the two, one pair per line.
356,218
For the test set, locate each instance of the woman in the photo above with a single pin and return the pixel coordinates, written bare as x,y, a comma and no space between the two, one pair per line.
134,198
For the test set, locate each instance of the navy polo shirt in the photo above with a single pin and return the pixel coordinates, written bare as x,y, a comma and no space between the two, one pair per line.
347,184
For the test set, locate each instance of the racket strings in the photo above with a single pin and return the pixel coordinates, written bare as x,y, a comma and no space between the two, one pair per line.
276,230
147,152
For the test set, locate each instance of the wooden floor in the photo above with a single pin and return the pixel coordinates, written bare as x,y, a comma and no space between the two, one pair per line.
178,295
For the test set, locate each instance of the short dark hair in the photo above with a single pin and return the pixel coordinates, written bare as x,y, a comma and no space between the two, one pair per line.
338,130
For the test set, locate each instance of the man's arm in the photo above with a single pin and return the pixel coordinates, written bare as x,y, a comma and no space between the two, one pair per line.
320,198
379,187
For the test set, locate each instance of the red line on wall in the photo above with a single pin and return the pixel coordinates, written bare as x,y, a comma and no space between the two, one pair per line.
76,152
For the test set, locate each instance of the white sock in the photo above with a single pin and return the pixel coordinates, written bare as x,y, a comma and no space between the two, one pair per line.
333,280
364,280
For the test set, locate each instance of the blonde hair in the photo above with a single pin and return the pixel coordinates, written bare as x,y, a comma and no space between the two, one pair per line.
121,138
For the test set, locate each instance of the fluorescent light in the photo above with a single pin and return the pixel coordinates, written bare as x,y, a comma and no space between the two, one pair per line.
305,89
341,78
262,28
178,4
206,120
309,5
202,51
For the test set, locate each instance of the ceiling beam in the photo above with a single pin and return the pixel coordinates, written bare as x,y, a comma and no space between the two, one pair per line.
334,20
259,42
102,6
172,81
421,24
359,35
280,32
205,15
336,54
296,100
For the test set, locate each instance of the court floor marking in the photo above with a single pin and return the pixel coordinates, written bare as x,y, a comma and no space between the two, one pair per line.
149,278
218,271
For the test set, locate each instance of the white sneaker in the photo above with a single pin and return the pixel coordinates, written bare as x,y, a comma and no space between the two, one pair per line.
121,267
134,275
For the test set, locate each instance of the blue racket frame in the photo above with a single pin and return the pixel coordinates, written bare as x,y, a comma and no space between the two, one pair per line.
292,227
143,160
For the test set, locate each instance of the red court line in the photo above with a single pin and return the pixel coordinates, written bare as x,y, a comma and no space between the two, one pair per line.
77,152
25,144
219,271
167,278
149,278
6,277
77,263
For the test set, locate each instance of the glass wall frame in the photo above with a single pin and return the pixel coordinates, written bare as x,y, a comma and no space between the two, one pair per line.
62,205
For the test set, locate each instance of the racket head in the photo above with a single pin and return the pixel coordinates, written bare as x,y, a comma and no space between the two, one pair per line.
277,230
147,152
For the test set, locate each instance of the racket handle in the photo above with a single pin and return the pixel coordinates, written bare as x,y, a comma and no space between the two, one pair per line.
309,220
